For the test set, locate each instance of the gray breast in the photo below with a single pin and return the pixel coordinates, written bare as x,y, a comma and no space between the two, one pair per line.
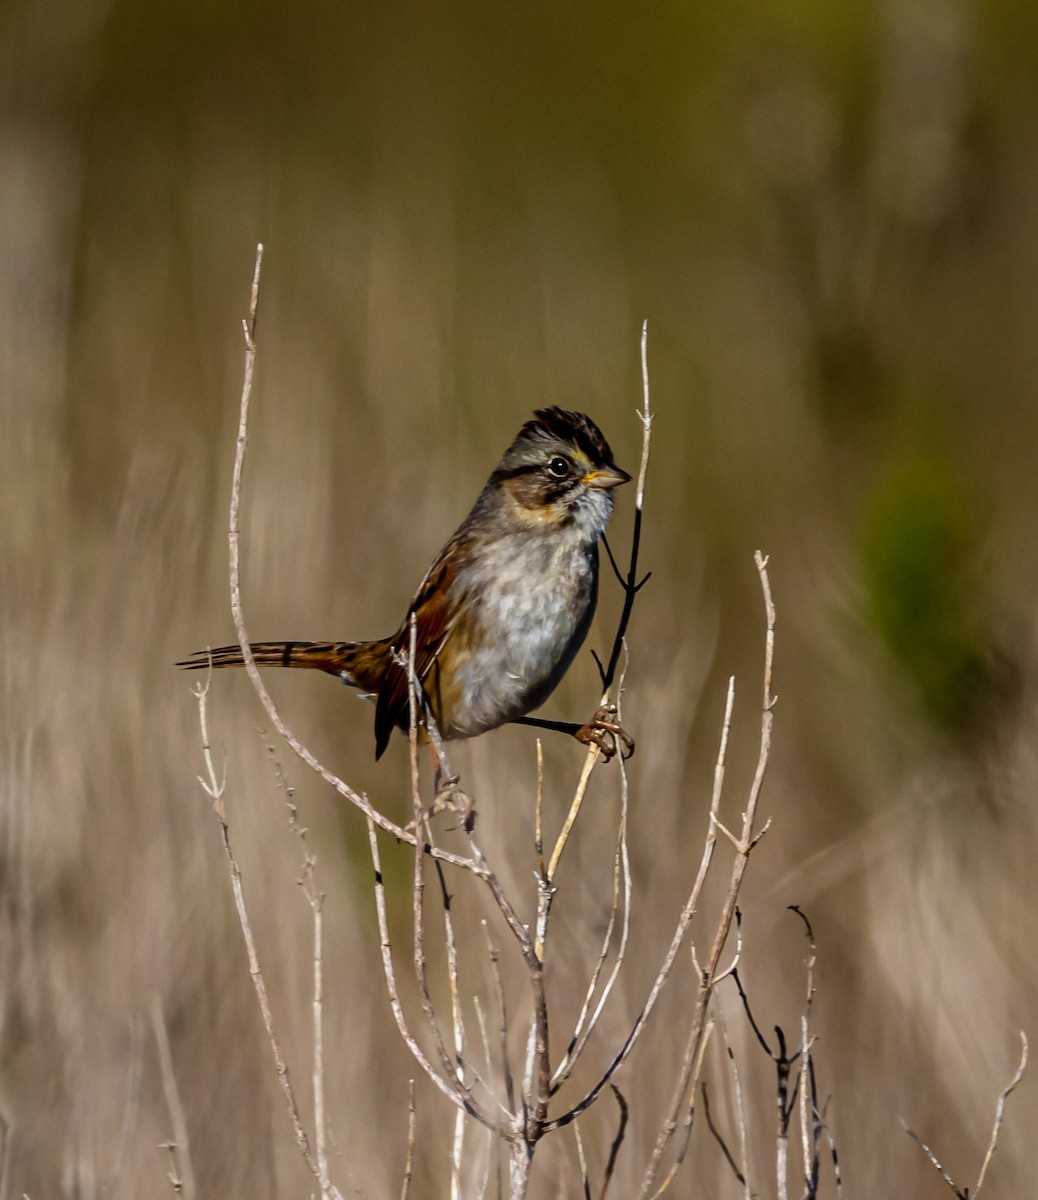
534,598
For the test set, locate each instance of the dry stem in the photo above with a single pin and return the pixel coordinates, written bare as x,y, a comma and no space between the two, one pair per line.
214,789
181,1176
1000,1107
745,845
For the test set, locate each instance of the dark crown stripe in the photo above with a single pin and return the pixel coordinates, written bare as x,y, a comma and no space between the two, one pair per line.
572,427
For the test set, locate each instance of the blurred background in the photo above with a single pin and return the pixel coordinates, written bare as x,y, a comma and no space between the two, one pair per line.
827,213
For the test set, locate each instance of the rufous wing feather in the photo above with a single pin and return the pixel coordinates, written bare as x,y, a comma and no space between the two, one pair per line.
433,618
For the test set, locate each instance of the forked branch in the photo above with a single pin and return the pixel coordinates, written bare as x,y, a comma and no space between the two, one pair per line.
1000,1108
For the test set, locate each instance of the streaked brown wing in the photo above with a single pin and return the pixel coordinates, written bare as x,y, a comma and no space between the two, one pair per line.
433,621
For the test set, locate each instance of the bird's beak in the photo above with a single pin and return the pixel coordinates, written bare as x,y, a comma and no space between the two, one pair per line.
606,477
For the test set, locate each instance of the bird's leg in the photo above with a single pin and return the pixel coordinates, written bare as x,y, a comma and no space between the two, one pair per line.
601,731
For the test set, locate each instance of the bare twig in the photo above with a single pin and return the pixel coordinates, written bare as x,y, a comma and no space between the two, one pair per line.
494,956
718,1137
933,1158
405,1187
527,1128
618,1140
836,1165
131,1111
414,699
621,872
173,1174
808,1115
740,1111
477,863
585,1179
1000,1109
678,937
746,843
453,1088
215,790
538,811
315,900
579,793
484,1037
181,1175
237,613
783,1105
458,1026
690,1113
631,585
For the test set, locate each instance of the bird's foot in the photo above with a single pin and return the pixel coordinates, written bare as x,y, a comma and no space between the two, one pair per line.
447,797
447,800
450,797
607,734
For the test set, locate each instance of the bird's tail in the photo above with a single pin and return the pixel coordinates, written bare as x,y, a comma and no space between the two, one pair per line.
337,658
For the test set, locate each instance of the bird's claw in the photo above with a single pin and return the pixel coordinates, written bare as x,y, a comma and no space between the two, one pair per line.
448,798
606,734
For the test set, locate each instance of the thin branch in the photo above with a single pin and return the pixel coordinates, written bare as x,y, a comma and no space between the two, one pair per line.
964,1193
455,1092
215,789
740,1111
690,1113
933,1158
748,840
530,1121
630,583
488,1063
678,937
585,1181
458,1026
405,1187
182,1176
418,877
620,577
173,1174
579,793
538,810
237,613
808,1118
479,864
1000,1109
315,899
618,1140
499,990
717,1136
749,1016
621,872
836,1164
112,1185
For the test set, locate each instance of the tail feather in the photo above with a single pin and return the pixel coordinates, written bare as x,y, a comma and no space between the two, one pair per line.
337,658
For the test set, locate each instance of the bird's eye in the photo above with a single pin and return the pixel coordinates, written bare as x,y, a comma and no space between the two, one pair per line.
559,467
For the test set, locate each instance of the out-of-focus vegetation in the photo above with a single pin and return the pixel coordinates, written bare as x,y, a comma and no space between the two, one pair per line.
827,214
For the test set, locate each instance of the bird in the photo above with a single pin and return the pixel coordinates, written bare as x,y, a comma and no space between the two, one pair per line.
505,606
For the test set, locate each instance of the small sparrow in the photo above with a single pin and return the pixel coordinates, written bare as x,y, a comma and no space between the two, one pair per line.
505,607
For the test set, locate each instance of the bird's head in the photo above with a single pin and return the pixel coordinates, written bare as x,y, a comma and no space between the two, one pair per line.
559,471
